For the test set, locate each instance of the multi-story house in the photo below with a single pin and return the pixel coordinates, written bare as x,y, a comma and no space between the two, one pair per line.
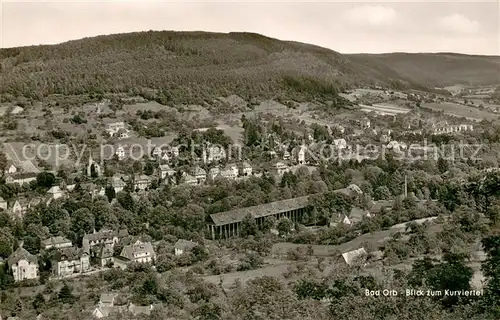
23,264
166,171
199,174
71,260
188,179
246,169
118,184
141,182
139,252
281,168
104,237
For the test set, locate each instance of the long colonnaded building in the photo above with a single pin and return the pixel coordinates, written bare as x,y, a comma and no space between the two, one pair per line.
228,224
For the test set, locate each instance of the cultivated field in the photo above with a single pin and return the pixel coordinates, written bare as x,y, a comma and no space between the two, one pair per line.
458,110
384,109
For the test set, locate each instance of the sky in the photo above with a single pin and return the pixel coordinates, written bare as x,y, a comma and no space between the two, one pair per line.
471,27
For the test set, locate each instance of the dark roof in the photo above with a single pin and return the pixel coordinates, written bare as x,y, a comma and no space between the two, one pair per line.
70,254
21,254
259,211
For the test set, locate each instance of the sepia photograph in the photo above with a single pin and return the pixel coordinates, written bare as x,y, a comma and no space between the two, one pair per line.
249,160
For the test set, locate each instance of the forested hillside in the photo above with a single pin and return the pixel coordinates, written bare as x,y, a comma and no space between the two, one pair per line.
193,67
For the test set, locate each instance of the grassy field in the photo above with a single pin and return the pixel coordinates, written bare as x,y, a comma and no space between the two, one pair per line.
458,110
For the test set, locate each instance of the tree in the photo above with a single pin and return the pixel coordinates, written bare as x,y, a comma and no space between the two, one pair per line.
38,302
248,226
110,193
93,172
3,163
149,168
45,179
491,271
65,295
284,226
82,221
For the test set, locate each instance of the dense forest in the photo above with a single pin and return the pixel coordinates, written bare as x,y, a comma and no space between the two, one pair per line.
196,67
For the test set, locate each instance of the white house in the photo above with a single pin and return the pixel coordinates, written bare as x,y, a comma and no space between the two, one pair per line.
23,264
281,168
140,252
174,151
11,169
120,152
182,246
301,155
340,143
114,127
55,192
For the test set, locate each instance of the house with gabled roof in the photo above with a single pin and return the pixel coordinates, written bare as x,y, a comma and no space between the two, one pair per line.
139,252
104,237
200,174
352,257
23,264
58,242
55,192
182,246
71,260
20,178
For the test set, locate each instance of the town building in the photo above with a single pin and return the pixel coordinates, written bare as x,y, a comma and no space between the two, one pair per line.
352,257
281,168
118,184
55,192
93,168
113,128
69,261
58,242
23,264
213,173
104,237
214,154
246,169
139,252
166,171
228,224
188,179
120,153
141,182
182,246
200,174
20,178
22,205
106,254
